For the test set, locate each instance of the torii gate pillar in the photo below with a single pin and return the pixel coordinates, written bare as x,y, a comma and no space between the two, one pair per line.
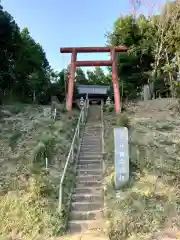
69,97
75,63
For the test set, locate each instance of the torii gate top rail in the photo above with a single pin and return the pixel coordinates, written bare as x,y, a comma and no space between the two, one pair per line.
93,49
112,62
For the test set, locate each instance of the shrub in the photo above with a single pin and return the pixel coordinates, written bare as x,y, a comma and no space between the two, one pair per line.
123,120
14,138
44,149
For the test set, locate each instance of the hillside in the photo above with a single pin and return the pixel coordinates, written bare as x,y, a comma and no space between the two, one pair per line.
33,152
148,206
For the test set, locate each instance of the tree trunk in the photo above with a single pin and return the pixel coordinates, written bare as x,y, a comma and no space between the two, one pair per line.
34,96
170,78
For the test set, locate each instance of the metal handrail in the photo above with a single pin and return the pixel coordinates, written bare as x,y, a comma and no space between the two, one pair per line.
102,135
71,157
102,128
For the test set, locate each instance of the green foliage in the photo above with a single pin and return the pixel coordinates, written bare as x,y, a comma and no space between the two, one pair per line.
30,216
153,43
29,192
123,120
81,77
24,67
13,139
109,108
17,108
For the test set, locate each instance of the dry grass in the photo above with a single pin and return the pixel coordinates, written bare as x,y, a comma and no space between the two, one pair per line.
29,191
148,206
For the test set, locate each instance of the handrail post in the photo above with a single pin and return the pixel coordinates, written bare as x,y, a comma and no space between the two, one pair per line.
72,153
82,119
60,198
78,131
87,106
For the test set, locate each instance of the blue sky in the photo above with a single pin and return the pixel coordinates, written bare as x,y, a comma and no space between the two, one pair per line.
67,23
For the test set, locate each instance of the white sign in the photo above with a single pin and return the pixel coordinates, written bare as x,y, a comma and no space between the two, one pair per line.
121,156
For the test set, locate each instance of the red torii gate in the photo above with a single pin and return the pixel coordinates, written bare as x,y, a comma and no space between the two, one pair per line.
74,63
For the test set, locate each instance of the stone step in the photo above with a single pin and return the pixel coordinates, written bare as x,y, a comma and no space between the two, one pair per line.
87,197
83,225
89,157
89,161
90,165
89,147
91,144
97,125
92,138
82,178
93,126
86,206
86,215
86,172
88,190
93,134
91,141
86,235
90,129
92,183
90,151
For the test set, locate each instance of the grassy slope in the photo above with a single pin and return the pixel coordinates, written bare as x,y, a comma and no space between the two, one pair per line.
29,192
148,207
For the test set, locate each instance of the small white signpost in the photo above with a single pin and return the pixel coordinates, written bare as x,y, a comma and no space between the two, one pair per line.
121,156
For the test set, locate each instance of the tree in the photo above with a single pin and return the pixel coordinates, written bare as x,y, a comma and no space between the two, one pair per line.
153,42
132,67
100,76
80,76
23,64
9,42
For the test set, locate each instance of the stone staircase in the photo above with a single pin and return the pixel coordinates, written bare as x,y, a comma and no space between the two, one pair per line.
87,199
